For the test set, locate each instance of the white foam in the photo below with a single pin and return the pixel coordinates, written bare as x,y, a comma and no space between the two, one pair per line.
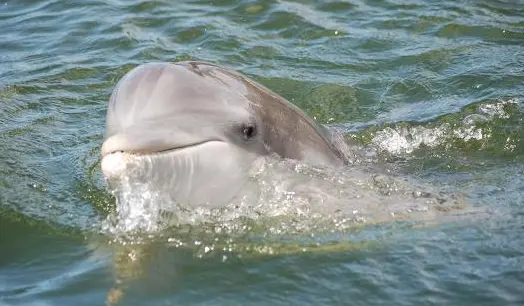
299,196
406,139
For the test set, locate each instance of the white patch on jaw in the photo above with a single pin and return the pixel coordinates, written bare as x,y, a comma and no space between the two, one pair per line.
207,174
115,165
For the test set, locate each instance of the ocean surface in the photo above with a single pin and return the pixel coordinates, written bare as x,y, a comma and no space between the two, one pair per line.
431,91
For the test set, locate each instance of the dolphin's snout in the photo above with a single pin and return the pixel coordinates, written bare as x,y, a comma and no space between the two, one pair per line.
113,152
114,144
114,160
114,164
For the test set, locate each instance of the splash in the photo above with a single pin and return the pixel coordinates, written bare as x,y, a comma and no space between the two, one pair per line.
477,126
283,201
138,206
137,210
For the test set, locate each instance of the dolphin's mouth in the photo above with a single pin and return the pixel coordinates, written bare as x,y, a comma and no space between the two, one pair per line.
148,152
144,147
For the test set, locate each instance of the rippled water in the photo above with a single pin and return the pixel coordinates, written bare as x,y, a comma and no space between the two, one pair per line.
429,90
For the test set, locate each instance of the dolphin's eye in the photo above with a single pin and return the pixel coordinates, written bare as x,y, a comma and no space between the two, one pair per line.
249,131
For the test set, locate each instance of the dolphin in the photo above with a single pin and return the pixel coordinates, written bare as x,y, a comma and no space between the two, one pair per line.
196,129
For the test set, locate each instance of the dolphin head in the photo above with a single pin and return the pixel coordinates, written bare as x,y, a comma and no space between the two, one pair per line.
194,130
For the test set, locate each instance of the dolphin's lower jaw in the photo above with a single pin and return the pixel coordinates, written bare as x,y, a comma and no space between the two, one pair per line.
205,174
123,163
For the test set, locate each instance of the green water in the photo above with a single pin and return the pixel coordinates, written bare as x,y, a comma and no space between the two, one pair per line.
434,88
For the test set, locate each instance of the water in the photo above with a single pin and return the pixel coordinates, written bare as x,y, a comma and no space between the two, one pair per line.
430,90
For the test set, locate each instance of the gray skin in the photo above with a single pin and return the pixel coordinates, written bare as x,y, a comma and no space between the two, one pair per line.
196,129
